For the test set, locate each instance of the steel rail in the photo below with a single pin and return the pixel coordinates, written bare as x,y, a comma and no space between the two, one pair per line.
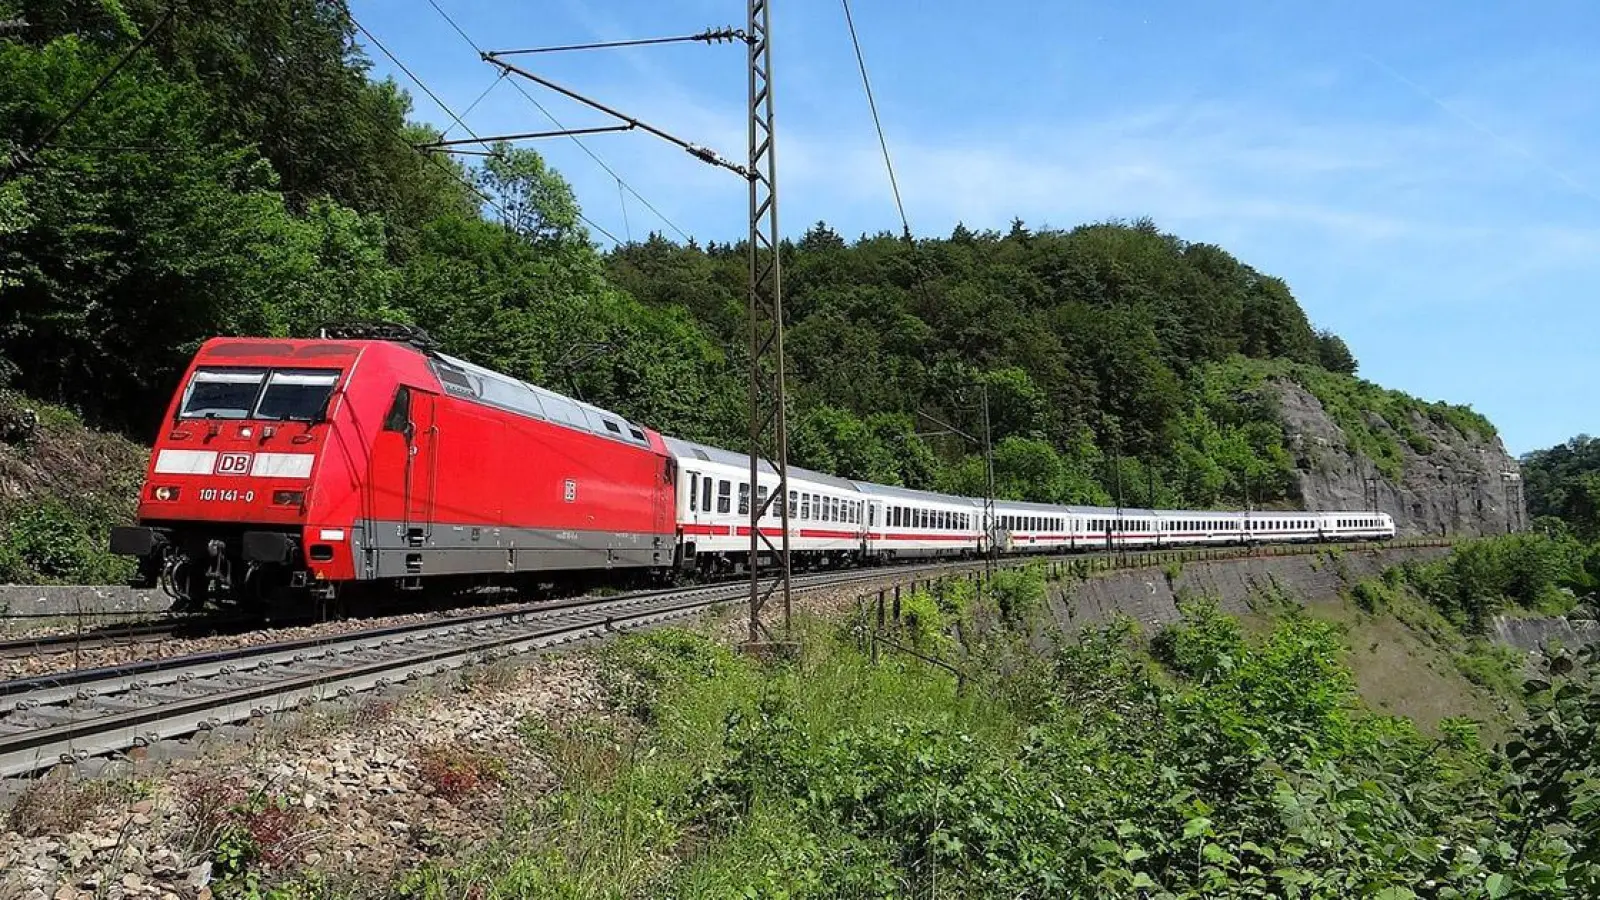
113,710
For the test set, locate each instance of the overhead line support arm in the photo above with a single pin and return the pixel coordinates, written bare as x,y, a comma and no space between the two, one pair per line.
704,154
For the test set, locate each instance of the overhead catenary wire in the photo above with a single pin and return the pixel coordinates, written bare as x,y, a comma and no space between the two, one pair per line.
557,122
622,200
474,104
458,120
100,83
877,123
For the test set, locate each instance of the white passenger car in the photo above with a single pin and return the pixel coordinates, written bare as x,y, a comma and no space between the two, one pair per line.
713,510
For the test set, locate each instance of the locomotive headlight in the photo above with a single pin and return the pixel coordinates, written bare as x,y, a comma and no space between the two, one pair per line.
288,498
165,493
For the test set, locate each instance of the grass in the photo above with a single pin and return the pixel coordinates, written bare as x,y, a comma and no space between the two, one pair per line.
633,786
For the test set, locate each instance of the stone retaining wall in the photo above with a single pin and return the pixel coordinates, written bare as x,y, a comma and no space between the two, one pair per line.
1149,597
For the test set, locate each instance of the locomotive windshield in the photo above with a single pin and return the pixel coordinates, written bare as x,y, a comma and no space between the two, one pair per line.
222,393
278,395
301,396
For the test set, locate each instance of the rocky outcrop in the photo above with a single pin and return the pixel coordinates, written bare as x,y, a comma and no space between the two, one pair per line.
1461,486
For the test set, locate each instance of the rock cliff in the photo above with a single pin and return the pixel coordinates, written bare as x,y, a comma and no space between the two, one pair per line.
1442,480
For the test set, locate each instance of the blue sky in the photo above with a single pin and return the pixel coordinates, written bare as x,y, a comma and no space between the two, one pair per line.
1423,174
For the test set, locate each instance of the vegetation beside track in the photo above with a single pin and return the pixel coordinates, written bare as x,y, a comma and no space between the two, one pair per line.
1212,760
62,487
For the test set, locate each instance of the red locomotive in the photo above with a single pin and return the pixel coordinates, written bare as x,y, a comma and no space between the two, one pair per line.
303,465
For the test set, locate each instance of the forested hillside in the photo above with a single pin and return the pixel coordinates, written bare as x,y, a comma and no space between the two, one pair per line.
243,175
1564,482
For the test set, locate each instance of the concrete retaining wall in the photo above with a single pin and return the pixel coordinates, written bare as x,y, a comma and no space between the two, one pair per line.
20,603
1532,635
1148,597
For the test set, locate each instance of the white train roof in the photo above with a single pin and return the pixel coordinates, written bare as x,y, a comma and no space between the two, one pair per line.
688,451
499,389
904,493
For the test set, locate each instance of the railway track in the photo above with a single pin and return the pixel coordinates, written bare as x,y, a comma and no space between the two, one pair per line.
83,713
114,636
93,712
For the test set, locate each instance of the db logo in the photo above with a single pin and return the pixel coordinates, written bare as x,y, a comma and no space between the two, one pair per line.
233,464
570,491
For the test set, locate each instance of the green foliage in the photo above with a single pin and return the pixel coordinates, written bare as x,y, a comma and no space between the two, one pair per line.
1555,787
1018,593
923,622
46,542
1250,771
1334,355
1480,578
1564,482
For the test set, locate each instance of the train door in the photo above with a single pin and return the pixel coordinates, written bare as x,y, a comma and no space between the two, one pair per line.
399,491
422,471
665,508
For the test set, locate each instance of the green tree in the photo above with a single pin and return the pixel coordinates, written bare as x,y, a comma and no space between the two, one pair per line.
1333,354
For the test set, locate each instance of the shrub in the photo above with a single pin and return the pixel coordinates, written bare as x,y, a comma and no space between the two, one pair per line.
454,773
1018,593
57,805
1204,644
923,622
1482,577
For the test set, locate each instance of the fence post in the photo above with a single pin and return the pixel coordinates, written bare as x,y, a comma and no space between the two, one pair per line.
878,630
897,602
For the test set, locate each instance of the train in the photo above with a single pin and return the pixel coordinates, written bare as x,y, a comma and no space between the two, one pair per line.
367,459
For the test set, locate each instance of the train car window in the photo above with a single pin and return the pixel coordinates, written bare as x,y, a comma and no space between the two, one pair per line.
299,396
637,434
805,506
221,393
399,411
705,494
794,505
761,500
724,489
838,509
694,495
612,427
744,499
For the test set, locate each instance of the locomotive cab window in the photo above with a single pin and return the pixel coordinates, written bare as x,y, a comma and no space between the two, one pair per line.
299,396
399,411
221,393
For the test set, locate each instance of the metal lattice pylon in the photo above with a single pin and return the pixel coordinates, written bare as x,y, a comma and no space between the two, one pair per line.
769,437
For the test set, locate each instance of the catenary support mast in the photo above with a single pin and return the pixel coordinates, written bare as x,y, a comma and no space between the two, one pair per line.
769,437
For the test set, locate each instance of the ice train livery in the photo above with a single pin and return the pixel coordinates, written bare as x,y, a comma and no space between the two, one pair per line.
288,468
